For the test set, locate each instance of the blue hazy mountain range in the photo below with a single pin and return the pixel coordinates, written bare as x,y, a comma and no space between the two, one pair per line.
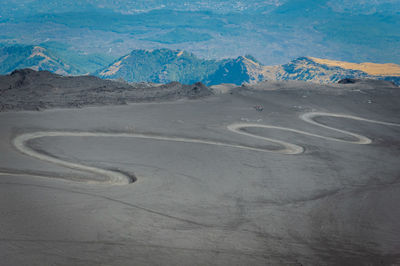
165,65
274,31
57,59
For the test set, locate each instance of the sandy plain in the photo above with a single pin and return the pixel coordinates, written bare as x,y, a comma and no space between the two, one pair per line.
216,182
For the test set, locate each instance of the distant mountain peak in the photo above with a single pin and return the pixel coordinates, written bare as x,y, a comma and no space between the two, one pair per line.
160,66
33,57
43,60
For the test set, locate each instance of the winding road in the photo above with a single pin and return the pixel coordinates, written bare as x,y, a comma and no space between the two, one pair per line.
118,178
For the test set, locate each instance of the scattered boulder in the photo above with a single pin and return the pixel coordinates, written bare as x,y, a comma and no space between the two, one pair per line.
259,108
348,81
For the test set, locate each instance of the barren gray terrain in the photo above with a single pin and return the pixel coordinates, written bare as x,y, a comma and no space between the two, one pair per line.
311,178
26,89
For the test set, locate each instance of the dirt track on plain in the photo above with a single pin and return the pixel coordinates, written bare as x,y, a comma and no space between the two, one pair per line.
117,178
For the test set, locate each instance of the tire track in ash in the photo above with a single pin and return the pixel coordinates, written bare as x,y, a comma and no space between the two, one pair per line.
309,118
119,178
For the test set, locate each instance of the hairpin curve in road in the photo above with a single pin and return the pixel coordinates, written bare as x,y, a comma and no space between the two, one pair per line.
118,178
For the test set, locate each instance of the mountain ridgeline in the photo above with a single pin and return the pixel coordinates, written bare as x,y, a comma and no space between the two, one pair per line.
33,57
165,65
160,66
51,56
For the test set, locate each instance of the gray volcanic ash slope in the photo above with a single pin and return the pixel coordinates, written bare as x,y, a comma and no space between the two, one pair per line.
312,179
32,90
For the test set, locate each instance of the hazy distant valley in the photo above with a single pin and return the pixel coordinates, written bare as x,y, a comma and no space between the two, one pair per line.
275,32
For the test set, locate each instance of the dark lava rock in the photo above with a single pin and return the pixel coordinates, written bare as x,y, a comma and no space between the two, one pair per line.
348,81
27,89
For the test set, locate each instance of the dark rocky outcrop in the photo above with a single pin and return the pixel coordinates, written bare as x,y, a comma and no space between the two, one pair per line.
348,81
27,89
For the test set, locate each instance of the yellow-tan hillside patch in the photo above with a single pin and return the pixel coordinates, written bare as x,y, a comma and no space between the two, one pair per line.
113,68
369,68
39,51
